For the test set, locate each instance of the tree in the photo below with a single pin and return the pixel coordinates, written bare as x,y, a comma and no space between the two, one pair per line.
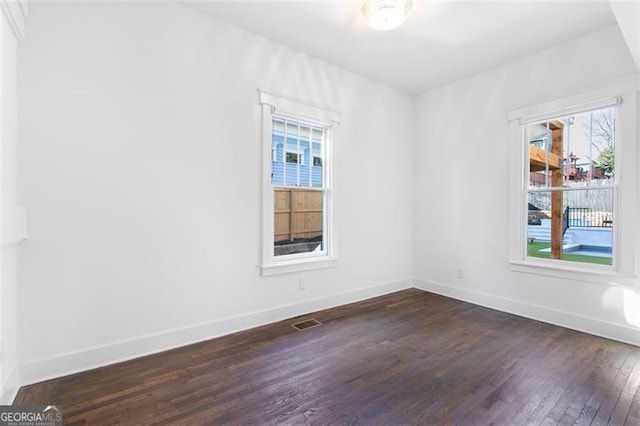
604,129
605,161
601,128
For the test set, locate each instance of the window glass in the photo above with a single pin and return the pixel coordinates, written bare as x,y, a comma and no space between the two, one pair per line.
571,187
298,188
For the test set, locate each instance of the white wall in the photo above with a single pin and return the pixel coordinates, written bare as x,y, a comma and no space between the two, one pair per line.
462,181
627,15
139,165
12,18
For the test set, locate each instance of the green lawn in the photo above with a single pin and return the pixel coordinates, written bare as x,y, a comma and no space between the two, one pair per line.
533,250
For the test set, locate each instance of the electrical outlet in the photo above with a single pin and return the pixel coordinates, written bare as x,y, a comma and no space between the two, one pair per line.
302,285
460,273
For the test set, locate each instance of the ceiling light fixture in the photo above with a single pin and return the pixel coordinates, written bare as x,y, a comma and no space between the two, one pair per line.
386,14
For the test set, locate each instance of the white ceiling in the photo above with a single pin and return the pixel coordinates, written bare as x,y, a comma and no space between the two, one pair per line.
439,43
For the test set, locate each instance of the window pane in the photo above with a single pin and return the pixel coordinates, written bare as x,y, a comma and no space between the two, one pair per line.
572,150
297,158
298,221
573,225
545,157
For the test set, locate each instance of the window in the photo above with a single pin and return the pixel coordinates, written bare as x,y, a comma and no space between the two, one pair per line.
573,185
297,214
293,157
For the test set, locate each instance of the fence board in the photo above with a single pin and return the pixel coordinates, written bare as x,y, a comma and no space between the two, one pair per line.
297,214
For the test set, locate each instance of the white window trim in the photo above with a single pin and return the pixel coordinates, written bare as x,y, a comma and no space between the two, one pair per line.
624,271
272,265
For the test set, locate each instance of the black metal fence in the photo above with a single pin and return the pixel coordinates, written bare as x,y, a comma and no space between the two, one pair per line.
581,217
574,217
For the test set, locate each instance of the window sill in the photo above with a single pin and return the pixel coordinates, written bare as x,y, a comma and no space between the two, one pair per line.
580,272
299,265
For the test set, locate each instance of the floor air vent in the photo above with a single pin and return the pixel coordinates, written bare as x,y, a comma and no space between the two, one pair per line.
304,325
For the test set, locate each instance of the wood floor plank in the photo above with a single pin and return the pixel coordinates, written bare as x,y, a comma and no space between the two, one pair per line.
634,410
409,357
623,406
611,398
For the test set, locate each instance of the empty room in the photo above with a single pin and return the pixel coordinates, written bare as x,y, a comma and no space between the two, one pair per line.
320,212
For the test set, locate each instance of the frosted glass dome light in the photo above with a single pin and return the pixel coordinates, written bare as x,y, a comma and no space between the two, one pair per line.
386,14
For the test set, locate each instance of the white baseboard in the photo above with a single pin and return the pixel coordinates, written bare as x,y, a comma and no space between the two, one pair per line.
10,387
88,359
620,332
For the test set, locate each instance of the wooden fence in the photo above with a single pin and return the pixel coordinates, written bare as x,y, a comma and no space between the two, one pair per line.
298,214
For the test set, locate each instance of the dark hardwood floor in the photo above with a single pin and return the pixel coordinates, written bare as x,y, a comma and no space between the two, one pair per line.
406,358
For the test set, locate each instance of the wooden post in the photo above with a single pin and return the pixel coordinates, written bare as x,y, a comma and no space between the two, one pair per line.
557,129
291,213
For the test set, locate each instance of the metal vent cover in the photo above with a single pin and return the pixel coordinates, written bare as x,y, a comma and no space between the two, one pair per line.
306,324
